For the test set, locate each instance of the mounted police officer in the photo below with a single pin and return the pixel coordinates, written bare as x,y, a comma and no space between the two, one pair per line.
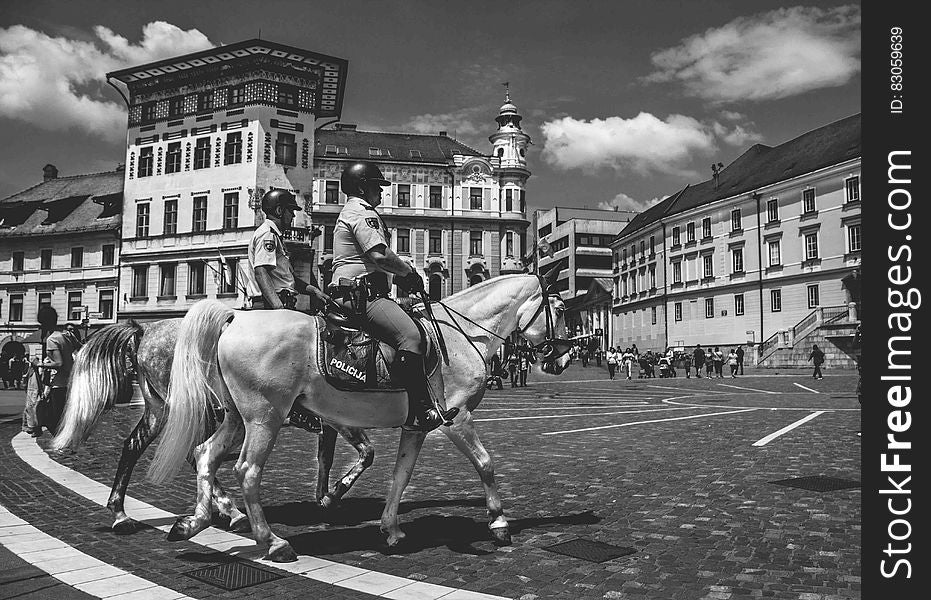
277,285
363,265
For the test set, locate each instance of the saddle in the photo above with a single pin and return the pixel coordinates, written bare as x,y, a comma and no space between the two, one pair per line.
353,361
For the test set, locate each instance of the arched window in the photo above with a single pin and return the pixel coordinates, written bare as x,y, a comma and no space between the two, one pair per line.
436,287
475,279
500,152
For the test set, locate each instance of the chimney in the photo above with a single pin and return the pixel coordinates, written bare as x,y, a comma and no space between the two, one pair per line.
346,127
443,133
49,172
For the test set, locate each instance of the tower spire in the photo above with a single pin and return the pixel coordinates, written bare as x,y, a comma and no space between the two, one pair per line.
507,92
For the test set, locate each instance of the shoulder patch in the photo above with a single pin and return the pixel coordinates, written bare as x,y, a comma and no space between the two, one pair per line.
372,222
269,245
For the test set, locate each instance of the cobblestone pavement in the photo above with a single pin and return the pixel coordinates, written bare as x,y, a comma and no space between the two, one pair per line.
665,467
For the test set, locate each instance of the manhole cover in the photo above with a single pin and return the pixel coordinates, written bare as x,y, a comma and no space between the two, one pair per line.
590,550
819,483
233,576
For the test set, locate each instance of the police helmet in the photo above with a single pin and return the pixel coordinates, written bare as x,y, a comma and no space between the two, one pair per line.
275,200
354,177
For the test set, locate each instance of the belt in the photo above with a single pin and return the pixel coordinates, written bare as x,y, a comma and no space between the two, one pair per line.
375,286
287,297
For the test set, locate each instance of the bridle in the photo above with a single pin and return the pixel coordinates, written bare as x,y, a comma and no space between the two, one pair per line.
551,348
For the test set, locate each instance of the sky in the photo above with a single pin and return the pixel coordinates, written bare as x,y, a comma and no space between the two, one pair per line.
625,101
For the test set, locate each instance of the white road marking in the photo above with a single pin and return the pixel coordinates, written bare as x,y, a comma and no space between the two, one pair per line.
601,414
686,390
805,388
311,567
730,412
737,387
527,409
787,428
773,408
10,419
71,566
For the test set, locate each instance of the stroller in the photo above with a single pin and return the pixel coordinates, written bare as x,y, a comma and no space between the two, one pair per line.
665,368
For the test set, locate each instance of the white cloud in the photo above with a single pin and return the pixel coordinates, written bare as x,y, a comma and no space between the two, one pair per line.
738,136
57,83
642,144
624,202
768,56
463,122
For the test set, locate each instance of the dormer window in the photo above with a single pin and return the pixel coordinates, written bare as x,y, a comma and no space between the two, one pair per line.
342,150
416,154
374,152
330,149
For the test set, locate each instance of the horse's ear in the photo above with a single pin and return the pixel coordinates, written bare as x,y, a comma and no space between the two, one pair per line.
550,276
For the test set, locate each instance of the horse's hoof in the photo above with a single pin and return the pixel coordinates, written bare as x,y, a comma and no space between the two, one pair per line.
328,502
126,526
283,553
240,524
502,536
395,541
181,530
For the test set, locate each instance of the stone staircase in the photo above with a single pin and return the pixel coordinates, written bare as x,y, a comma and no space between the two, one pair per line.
832,328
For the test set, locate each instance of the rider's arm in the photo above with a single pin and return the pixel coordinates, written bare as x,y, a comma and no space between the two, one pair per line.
386,260
264,281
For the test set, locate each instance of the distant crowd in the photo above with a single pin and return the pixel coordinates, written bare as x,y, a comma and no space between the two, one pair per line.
663,364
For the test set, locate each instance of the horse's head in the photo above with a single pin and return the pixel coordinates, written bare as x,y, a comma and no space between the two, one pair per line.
543,320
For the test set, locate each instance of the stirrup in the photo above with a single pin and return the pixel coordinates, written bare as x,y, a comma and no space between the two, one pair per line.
432,419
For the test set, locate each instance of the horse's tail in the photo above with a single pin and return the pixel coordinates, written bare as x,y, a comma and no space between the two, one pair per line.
100,378
193,370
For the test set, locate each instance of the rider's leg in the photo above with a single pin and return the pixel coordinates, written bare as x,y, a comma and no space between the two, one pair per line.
389,323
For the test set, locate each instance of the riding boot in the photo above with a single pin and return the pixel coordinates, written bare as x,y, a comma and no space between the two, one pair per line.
422,414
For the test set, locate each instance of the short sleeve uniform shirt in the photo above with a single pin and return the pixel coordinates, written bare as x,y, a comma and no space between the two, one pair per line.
359,228
268,250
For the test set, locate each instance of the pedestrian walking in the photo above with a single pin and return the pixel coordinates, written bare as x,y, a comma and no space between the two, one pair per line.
584,357
817,359
598,355
699,359
718,362
526,359
61,347
687,363
740,359
628,359
732,362
513,362
494,376
612,362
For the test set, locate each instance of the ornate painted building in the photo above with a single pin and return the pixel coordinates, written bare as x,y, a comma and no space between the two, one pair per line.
59,247
457,215
208,134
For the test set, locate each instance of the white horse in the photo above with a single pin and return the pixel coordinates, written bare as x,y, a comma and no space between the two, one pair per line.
255,365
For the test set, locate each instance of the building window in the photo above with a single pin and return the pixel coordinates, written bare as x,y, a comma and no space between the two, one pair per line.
167,280
105,304
200,214
237,95
77,258
652,277
202,153
706,227
404,240
475,198
142,220
736,221
676,239
808,201
633,284
45,258
146,160
176,106
228,275
690,232
16,307
286,150
231,210
677,309
45,299
170,224
709,308
436,287
173,158
853,238
436,196
509,243
652,244
140,282
643,246
374,152
108,255
772,210
852,187
404,195
330,149
509,200
328,231
19,261
775,256
196,280
475,243
738,304
653,314
205,101
775,300
148,112
331,193
232,152
523,199
287,95
813,296
707,265
677,272
811,246
436,241
737,260
74,306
